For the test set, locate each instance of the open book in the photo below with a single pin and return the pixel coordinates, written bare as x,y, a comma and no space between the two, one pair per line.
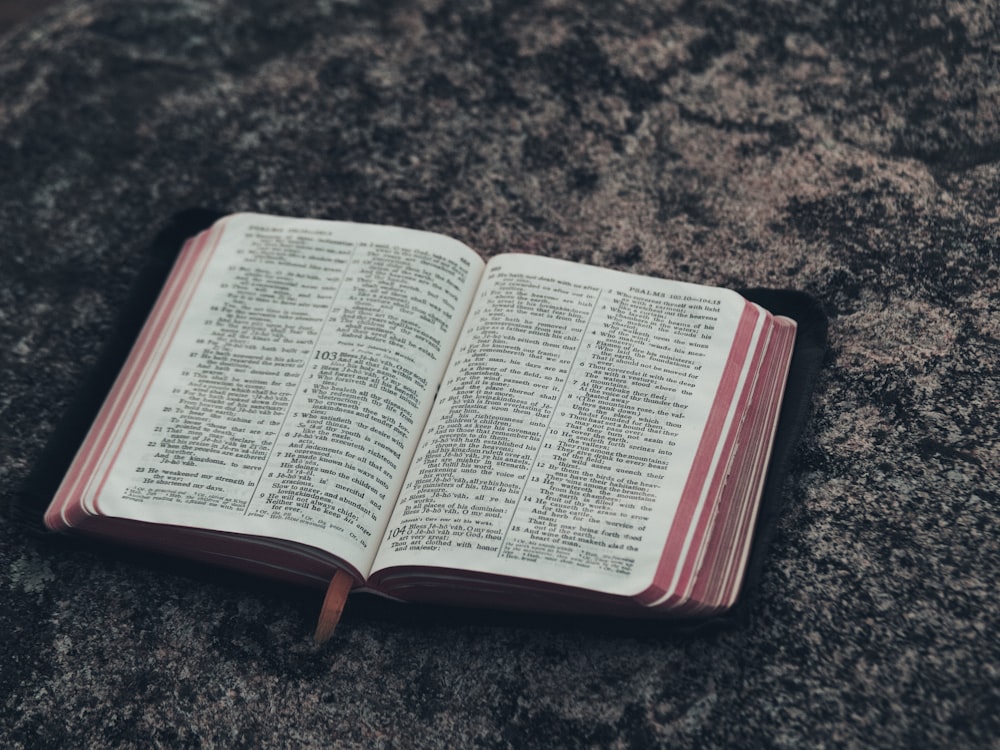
311,396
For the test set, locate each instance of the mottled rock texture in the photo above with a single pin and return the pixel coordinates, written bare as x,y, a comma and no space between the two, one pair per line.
847,148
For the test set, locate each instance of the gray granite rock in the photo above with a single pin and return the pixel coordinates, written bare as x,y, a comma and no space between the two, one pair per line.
847,149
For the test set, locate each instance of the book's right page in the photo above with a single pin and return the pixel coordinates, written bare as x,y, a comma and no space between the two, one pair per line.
574,432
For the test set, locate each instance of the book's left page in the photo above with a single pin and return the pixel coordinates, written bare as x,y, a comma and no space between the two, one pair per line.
278,388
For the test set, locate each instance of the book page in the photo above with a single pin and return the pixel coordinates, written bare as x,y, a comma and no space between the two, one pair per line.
567,426
291,384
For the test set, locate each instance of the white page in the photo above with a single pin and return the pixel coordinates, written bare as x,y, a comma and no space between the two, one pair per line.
295,385
566,426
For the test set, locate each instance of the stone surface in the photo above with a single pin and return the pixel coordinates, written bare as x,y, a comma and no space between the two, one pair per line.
847,149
